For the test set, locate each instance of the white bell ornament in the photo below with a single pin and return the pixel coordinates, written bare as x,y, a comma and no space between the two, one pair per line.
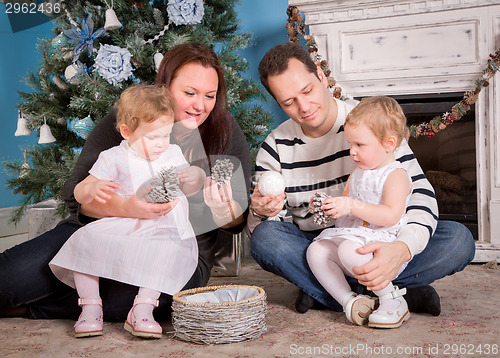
112,22
45,134
158,57
22,125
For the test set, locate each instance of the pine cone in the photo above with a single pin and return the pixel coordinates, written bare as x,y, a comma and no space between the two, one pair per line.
319,217
331,82
455,116
222,171
470,97
164,186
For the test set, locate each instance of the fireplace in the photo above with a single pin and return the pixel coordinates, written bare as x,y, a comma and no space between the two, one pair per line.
448,159
426,54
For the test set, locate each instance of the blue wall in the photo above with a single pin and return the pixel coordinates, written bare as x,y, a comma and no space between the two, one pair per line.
18,56
265,19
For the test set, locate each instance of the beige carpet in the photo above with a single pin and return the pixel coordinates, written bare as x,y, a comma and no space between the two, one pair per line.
469,326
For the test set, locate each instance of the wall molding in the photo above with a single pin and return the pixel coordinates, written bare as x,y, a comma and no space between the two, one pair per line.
327,11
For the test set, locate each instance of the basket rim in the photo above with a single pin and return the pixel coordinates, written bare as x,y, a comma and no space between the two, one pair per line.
178,297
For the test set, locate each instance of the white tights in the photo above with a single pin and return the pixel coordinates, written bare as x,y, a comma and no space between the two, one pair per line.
331,261
87,286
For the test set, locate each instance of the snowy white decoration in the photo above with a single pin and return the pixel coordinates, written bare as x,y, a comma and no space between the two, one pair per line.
271,183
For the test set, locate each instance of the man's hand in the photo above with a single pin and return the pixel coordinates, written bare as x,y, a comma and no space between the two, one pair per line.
388,257
268,205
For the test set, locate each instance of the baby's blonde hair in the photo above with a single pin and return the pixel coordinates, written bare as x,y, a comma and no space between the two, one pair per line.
383,115
143,103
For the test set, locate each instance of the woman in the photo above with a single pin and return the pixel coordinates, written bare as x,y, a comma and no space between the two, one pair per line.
194,77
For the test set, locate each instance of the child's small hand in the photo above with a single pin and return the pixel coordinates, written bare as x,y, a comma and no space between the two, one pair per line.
192,175
337,206
100,190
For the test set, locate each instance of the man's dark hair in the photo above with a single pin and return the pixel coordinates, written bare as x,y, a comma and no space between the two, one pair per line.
275,61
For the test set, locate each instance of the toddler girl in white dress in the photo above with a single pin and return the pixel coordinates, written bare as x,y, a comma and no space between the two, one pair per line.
157,255
371,208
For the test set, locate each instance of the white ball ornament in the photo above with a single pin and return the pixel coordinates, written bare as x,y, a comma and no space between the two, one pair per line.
271,183
70,74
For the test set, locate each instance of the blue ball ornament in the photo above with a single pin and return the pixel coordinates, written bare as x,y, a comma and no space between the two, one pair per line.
82,127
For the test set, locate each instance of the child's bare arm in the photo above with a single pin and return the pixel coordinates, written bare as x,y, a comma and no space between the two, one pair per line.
91,188
396,189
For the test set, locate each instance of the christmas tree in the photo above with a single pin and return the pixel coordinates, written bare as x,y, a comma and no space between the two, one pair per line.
100,47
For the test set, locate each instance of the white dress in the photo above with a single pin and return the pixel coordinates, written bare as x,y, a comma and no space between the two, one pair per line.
366,186
160,254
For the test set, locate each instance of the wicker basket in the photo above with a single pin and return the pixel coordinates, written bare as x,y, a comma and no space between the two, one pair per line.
219,322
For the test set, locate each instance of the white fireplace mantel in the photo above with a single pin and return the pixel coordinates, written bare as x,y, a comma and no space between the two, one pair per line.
395,47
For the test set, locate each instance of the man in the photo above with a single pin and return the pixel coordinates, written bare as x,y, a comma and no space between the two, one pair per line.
312,154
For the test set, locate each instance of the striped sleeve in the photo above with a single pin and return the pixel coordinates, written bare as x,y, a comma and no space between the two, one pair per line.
422,207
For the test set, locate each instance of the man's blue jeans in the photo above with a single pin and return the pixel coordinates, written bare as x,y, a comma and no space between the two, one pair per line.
280,247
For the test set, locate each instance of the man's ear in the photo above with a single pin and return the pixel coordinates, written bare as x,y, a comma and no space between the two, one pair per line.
390,143
322,76
125,131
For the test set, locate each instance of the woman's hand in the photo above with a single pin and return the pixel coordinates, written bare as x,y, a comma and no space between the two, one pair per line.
132,207
192,175
268,205
217,197
191,179
140,209
388,257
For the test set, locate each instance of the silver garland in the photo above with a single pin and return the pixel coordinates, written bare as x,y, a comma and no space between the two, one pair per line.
164,186
222,171
319,216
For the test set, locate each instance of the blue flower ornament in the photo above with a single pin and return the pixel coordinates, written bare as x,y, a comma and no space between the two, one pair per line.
185,12
83,38
113,63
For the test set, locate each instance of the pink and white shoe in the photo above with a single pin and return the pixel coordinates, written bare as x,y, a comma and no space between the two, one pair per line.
393,318
86,327
142,326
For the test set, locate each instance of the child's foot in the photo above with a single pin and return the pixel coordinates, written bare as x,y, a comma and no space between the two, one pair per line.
392,312
358,308
140,321
89,323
